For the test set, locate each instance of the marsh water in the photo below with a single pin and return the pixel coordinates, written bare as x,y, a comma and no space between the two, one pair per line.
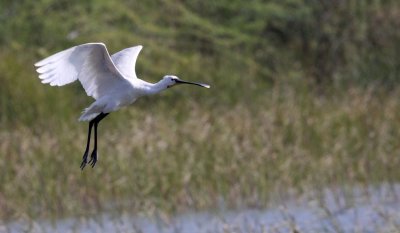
350,209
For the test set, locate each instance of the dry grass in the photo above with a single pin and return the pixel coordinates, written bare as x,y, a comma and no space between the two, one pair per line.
192,156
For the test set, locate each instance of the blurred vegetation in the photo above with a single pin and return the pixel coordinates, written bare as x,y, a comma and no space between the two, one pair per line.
304,92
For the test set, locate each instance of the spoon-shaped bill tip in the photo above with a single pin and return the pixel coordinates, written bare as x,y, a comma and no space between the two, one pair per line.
205,85
193,83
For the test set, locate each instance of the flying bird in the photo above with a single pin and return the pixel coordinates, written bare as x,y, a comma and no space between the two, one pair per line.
110,80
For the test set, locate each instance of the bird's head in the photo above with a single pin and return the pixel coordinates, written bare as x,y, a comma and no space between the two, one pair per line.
171,80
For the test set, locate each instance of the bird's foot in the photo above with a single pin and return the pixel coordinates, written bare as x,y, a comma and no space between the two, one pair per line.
84,160
93,158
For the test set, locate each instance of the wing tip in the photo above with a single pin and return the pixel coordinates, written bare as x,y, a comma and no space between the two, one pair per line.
39,63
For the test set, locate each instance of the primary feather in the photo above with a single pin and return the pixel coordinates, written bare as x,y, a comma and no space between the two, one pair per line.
92,65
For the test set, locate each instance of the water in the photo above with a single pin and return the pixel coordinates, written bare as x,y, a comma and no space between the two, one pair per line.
356,209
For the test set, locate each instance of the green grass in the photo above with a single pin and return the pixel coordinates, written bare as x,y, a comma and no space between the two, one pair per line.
303,95
179,158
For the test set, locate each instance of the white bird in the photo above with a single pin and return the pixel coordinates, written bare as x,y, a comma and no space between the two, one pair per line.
110,80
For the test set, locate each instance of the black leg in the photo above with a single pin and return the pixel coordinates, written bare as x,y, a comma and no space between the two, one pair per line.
85,155
93,156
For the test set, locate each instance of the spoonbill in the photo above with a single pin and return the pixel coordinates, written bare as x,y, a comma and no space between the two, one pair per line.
110,80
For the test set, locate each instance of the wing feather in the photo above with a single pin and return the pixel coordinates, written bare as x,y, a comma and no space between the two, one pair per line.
125,61
89,63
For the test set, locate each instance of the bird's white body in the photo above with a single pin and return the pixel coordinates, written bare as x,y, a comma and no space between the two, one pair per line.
110,80
126,93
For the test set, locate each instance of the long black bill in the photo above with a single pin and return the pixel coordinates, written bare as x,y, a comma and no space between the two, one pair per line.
193,83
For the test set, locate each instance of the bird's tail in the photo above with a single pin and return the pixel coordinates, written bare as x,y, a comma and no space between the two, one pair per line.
91,112
86,116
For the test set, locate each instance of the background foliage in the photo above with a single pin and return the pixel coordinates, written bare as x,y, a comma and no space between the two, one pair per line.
304,92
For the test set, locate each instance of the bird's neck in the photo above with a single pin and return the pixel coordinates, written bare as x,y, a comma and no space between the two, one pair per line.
154,88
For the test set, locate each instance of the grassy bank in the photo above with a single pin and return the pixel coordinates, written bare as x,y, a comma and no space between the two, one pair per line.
304,94
179,158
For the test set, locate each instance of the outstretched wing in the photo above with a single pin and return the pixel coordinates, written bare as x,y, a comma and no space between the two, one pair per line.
90,63
125,61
